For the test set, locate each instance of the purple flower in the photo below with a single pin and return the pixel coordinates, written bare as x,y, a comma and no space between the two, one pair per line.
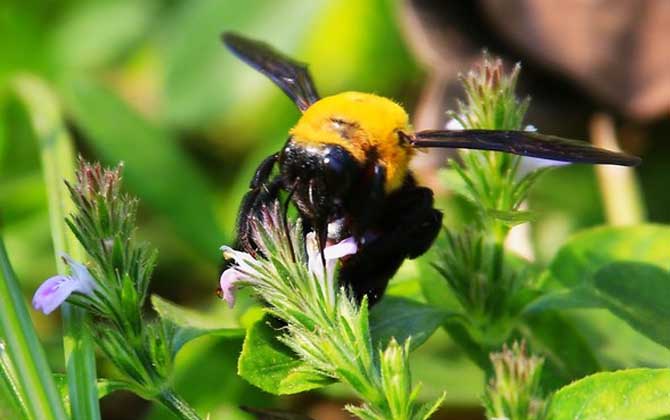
55,290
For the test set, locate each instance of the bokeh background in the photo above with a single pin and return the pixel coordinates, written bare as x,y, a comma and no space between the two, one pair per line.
148,83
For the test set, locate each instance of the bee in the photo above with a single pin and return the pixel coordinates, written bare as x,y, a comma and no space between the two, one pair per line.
345,167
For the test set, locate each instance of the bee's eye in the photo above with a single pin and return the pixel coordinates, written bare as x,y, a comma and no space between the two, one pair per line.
339,168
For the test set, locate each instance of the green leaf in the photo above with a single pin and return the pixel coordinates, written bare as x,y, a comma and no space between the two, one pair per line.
75,42
634,394
585,253
192,74
189,324
114,129
568,355
639,294
11,399
403,318
270,365
579,297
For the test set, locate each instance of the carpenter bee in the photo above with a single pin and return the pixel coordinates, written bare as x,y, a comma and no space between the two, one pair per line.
345,167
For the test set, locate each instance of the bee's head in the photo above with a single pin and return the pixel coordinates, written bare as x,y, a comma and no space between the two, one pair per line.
320,178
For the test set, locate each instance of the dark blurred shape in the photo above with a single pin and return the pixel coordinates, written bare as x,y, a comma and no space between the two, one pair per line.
616,49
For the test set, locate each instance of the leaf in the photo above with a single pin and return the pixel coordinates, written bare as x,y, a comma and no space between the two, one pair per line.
75,42
580,297
58,163
568,355
403,318
633,394
189,324
192,74
639,294
155,167
585,253
270,365
23,347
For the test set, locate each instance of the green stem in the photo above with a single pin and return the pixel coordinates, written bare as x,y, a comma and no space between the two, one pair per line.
177,405
25,351
58,164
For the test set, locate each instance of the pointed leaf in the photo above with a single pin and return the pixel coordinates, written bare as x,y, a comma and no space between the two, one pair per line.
189,324
585,253
640,295
403,318
270,365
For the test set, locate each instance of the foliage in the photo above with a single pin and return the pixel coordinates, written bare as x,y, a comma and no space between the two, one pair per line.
325,327
148,84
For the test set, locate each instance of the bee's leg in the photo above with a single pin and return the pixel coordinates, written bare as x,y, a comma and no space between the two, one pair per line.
287,231
262,190
407,227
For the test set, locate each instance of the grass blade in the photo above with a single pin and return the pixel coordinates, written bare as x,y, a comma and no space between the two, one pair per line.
58,163
24,349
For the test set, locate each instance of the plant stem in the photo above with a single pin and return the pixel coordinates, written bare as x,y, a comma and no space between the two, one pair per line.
177,405
24,349
58,164
619,187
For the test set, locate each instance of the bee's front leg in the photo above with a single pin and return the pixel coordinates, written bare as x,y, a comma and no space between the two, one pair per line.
263,191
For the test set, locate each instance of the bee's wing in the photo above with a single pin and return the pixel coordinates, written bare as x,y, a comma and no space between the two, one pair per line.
524,143
290,75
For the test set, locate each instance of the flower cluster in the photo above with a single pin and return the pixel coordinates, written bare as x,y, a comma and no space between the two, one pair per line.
112,287
325,327
514,391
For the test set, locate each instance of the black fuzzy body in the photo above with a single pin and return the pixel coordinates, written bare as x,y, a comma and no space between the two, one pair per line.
326,184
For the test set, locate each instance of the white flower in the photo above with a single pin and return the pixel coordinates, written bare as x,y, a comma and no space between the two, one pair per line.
331,254
55,290
244,272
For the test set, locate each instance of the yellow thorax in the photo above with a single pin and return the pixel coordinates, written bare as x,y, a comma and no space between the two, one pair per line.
359,123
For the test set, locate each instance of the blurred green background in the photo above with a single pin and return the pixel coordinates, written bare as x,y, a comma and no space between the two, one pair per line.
148,83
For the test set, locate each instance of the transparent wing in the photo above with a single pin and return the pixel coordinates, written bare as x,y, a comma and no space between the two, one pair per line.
290,75
523,143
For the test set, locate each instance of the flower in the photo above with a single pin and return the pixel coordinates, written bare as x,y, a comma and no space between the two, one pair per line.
227,284
244,270
331,254
55,290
